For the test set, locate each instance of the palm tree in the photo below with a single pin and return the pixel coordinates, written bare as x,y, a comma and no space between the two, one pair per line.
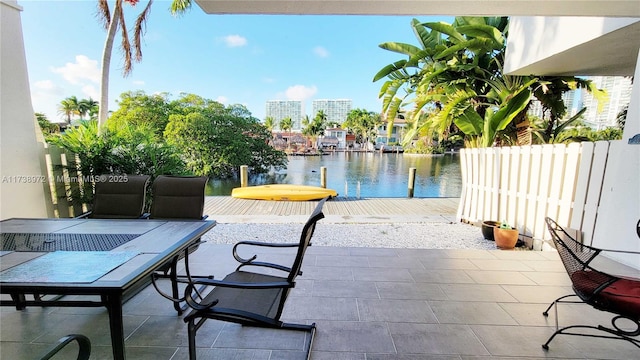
286,124
86,107
362,123
68,107
114,21
269,122
315,127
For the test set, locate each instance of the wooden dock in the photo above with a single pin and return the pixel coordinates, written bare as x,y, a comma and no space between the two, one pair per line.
340,206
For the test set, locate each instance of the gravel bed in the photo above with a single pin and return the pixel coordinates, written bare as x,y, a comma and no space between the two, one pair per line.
387,235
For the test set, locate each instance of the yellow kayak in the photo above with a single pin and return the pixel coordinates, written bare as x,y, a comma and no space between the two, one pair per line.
283,192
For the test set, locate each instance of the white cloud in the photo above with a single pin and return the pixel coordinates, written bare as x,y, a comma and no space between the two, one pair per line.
45,94
46,86
235,40
321,51
300,92
90,91
138,82
222,99
83,70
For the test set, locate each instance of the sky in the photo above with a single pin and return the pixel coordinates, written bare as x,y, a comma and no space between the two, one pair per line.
233,59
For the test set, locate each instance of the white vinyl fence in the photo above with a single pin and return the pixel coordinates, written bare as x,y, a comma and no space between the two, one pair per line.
523,185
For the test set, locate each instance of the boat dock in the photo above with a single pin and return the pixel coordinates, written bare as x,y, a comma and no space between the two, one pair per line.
226,209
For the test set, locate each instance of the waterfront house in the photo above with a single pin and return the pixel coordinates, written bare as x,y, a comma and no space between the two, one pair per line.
334,137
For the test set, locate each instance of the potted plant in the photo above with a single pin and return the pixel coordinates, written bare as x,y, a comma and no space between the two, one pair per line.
505,236
487,229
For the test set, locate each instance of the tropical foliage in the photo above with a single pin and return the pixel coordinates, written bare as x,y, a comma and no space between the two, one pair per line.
215,140
286,124
455,81
363,124
570,130
315,127
131,150
45,125
155,135
137,108
269,123
71,106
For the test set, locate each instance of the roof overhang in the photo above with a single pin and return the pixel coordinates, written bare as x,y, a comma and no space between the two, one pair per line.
572,46
425,7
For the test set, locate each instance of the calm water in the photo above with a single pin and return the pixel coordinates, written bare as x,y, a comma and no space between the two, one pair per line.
380,175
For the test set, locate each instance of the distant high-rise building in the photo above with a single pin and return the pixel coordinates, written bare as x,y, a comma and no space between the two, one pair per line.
280,109
569,98
619,91
335,109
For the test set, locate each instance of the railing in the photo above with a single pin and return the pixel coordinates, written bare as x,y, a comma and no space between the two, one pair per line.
65,182
524,184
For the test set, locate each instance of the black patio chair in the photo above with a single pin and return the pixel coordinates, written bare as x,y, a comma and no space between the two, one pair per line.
177,198
248,297
605,292
84,347
118,197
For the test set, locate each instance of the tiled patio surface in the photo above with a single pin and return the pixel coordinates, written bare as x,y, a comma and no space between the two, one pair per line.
368,303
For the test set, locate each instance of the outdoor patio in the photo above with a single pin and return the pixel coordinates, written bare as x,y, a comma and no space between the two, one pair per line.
368,303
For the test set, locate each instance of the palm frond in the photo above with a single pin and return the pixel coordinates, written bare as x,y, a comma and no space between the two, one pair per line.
179,7
461,46
125,45
139,29
103,13
427,39
402,48
398,65
483,31
446,29
569,121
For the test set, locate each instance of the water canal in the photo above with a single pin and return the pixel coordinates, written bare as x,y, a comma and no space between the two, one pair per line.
378,175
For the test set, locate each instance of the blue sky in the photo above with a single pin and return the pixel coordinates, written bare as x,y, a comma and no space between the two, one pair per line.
234,59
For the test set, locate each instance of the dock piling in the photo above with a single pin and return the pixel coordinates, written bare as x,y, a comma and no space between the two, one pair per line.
244,175
412,182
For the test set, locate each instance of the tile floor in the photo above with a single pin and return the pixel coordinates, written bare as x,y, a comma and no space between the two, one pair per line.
368,303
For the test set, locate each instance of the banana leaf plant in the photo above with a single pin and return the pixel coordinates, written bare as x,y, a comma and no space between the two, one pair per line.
454,82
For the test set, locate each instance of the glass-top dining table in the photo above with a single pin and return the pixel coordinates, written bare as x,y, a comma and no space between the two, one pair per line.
113,259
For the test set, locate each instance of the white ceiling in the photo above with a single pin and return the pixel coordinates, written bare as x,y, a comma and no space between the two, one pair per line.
625,8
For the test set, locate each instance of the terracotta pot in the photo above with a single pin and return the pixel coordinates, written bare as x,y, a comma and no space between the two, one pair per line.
505,238
487,229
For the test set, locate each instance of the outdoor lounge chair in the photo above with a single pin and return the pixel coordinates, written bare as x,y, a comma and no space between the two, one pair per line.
251,298
605,292
177,197
118,197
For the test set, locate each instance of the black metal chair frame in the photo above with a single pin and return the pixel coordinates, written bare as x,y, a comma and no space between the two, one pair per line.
576,258
269,288
173,188
84,347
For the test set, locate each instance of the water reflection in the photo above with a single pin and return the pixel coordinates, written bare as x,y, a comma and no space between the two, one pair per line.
380,175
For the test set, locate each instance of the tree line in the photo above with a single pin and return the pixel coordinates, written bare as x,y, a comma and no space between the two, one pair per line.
154,135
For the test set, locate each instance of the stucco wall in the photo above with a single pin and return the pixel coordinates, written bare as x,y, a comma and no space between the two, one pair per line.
619,210
21,189
572,45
